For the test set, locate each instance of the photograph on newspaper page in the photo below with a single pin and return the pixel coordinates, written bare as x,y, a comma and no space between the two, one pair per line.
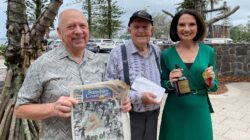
98,116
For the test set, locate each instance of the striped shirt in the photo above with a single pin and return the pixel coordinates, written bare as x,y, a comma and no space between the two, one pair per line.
139,66
51,76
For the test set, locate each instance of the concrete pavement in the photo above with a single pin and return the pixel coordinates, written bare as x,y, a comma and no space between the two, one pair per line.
231,120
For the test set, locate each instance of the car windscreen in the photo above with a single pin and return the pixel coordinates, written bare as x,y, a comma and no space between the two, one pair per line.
108,41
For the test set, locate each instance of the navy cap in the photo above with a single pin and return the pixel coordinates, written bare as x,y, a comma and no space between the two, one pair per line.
141,14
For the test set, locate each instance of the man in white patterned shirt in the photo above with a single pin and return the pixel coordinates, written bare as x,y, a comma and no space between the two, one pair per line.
44,94
142,58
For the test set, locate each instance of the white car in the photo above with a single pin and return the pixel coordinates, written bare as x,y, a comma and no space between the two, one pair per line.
218,41
104,44
159,42
118,42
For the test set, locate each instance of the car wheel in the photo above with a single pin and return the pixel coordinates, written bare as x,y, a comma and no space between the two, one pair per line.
98,50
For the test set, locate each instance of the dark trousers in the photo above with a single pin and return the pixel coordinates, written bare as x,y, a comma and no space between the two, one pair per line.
144,125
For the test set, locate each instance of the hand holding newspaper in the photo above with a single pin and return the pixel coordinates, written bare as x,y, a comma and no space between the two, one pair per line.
99,116
142,84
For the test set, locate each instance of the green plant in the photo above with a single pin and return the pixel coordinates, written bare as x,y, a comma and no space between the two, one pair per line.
3,49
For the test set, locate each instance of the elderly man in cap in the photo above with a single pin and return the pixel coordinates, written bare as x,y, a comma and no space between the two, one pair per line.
135,59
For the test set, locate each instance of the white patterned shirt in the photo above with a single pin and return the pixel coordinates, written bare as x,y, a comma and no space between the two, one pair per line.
52,76
138,67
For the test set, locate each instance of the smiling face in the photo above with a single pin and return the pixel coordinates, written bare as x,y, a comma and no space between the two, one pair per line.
186,27
141,30
73,30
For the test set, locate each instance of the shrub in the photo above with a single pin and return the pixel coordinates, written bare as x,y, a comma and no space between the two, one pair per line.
3,49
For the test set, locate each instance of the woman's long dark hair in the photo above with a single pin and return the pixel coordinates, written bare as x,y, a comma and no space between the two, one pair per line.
199,21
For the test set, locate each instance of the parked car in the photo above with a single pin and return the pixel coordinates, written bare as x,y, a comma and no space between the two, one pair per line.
218,41
162,42
118,42
92,46
104,44
168,42
159,42
51,44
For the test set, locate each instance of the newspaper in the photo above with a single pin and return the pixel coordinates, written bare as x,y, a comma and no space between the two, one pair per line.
98,116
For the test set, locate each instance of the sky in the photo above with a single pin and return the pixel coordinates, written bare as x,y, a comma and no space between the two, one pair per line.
152,6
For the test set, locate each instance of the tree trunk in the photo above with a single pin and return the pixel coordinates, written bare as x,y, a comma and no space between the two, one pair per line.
23,44
213,20
89,9
109,19
42,24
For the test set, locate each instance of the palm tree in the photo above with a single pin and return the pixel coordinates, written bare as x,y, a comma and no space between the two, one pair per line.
34,9
23,45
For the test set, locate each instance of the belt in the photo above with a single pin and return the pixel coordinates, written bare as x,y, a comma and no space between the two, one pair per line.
203,91
194,91
146,113
199,91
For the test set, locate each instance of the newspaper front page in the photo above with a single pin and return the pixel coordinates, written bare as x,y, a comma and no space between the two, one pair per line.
98,116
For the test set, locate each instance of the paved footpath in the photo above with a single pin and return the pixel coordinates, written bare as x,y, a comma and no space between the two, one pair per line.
231,120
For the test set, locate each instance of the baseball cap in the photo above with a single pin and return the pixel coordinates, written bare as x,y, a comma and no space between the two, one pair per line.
141,14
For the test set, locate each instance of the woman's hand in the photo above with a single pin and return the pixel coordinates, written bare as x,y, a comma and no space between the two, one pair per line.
208,76
174,75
